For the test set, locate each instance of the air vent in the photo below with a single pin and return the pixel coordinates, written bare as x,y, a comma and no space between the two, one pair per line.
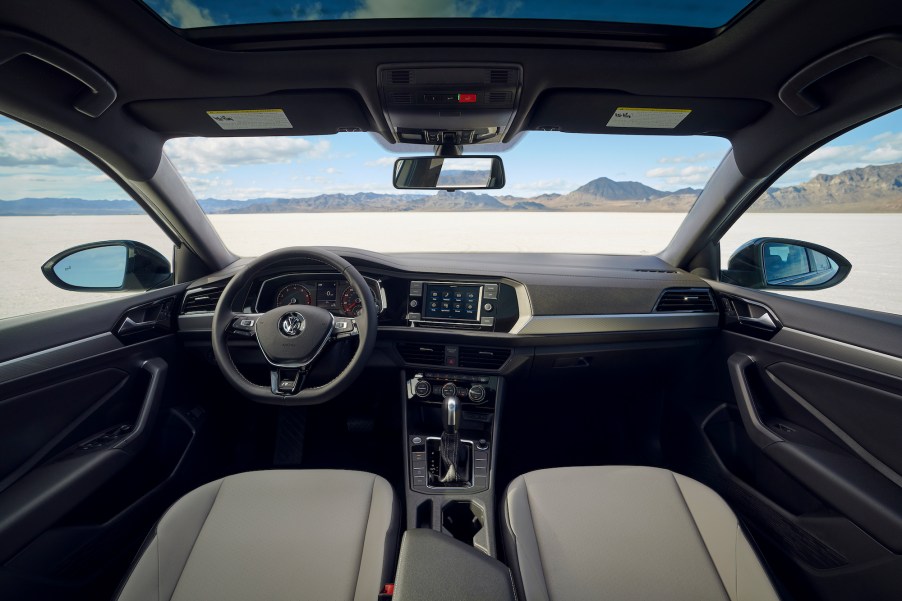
473,357
201,301
500,97
422,354
655,270
400,77
686,300
499,76
400,98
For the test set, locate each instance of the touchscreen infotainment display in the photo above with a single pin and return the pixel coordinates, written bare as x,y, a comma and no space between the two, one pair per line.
451,301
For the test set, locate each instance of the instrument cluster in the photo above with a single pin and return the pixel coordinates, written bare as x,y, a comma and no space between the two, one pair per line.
324,290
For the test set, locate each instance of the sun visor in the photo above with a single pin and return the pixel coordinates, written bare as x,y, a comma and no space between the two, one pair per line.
609,112
281,114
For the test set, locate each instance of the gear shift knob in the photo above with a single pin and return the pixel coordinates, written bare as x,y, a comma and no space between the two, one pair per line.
451,414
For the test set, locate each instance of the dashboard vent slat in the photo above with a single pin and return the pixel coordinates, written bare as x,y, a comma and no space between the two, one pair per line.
685,300
400,77
201,301
483,358
401,98
499,76
500,97
422,354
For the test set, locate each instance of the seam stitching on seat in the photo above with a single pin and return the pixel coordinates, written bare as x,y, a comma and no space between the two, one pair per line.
701,538
197,536
536,534
366,526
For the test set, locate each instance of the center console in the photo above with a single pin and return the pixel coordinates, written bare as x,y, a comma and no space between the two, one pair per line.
457,411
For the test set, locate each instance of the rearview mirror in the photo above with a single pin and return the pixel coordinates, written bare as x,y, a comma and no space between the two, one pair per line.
780,264
449,173
111,266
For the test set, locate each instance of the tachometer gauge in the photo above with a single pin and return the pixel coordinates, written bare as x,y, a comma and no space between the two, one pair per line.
351,304
294,294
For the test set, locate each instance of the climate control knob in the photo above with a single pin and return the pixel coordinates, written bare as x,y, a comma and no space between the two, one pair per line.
477,393
423,389
449,389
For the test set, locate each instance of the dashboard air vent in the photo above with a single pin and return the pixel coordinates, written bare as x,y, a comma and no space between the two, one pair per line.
500,97
499,76
400,77
656,270
422,354
685,300
400,98
202,300
473,357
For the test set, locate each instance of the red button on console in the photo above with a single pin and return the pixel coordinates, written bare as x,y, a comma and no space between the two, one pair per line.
466,98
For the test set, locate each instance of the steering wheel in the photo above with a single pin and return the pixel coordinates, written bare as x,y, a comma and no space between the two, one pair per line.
291,337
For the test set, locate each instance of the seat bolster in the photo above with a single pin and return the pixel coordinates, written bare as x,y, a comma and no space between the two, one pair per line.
165,554
521,543
380,540
736,562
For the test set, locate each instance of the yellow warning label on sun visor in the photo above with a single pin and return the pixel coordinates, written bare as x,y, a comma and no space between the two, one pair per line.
251,119
647,118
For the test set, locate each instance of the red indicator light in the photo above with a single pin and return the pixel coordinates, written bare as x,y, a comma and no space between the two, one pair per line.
466,98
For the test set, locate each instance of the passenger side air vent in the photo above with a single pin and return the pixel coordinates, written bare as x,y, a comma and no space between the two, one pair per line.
499,76
500,97
202,300
400,77
483,358
685,300
422,354
400,98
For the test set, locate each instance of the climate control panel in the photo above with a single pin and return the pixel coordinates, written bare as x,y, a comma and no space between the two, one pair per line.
434,387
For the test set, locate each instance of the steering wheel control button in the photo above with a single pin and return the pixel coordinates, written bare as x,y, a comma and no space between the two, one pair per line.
423,389
449,390
343,326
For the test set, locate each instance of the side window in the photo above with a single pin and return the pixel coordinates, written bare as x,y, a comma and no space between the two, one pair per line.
51,200
845,196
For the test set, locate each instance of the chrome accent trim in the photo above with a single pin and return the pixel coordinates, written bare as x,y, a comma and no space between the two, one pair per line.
593,324
524,307
839,351
57,356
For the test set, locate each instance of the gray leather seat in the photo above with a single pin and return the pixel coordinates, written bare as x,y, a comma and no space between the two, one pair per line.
627,533
286,534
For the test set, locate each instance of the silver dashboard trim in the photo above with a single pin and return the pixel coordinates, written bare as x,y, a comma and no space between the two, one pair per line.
839,351
593,324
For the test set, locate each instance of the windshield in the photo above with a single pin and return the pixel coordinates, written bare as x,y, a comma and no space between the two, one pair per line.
564,193
210,13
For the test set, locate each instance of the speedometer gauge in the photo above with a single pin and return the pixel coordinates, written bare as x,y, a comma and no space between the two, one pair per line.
294,294
351,304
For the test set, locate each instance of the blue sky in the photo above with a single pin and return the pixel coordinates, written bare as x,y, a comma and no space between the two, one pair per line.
205,13
32,165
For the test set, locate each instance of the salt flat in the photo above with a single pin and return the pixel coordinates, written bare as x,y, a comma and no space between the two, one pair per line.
870,241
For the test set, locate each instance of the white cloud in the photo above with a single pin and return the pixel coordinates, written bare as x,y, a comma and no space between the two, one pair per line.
696,158
184,13
209,155
692,175
381,162
22,146
386,9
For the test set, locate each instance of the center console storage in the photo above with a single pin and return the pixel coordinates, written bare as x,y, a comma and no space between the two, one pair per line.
444,412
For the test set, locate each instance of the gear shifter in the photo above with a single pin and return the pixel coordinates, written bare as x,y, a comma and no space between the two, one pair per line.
450,445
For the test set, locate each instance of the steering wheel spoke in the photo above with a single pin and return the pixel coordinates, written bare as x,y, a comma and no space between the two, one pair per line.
285,381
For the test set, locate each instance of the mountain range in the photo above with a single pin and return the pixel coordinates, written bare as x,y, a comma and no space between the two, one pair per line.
872,189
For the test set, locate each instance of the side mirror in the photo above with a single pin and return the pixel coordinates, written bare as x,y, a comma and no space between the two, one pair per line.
781,264
449,173
111,266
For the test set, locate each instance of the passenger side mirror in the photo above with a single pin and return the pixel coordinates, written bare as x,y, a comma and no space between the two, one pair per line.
112,266
780,264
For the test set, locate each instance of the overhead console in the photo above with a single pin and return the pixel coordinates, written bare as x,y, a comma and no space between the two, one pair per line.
439,104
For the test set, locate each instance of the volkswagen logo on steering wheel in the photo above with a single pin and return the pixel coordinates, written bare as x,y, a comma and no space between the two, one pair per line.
292,324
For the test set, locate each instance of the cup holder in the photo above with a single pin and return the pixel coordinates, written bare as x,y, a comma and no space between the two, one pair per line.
465,521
